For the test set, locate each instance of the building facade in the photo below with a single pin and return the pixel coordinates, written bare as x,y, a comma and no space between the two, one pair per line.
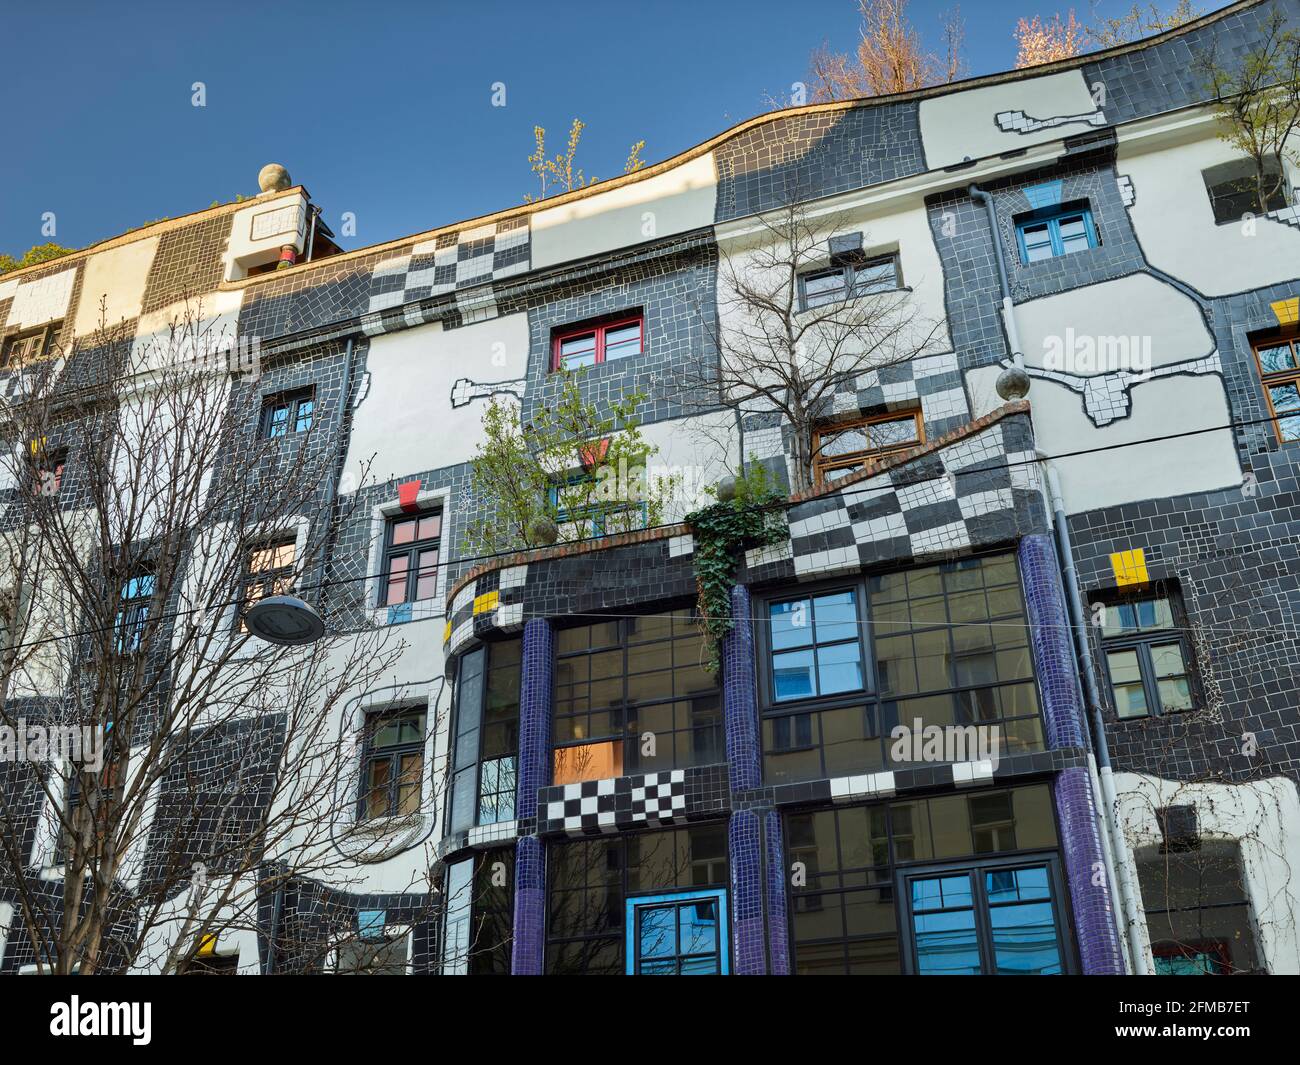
1067,527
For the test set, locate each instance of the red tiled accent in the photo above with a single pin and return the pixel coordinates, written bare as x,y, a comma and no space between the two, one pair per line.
407,494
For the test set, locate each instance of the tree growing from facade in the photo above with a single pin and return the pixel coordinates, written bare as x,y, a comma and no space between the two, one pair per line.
780,352
38,253
1258,98
560,173
890,56
1140,20
1041,41
574,470
143,513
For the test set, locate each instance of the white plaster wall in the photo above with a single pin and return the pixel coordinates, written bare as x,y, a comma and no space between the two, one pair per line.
41,301
699,451
201,327
282,221
673,202
1264,816
1138,306
963,124
405,419
117,278
1128,474
1172,217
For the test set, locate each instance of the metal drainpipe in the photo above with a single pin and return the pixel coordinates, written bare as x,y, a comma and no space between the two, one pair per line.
1121,867
1008,308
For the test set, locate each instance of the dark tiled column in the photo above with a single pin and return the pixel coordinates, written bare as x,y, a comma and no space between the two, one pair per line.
778,928
535,693
746,831
1054,664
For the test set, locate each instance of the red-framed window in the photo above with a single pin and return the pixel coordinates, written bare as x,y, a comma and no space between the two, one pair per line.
597,342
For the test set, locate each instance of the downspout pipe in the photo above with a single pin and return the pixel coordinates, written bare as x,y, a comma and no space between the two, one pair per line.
1008,308
1125,875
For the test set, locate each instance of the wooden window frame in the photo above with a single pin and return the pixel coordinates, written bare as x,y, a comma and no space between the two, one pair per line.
1271,380
821,466
48,333
599,329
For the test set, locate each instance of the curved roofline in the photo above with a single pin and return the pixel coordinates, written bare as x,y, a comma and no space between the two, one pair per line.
661,167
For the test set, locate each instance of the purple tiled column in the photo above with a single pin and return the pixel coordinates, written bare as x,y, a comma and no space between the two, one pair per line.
778,932
1094,917
739,696
746,830
1050,636
1054,663
535,693
748,951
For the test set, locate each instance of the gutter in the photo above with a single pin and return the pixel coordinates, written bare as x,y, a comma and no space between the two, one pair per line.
1120,866
1008,308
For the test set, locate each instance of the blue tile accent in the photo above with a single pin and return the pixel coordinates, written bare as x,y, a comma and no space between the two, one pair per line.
778,927
535,697
749,951
739,694
1048,194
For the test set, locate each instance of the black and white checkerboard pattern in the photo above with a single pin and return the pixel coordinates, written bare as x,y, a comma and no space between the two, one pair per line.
591,807
982,489
450,262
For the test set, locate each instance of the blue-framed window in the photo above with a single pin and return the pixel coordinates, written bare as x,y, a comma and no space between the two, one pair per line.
1055,231
816,646
683,933
599,518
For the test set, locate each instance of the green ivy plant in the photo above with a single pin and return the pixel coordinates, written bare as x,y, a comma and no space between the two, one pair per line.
721,531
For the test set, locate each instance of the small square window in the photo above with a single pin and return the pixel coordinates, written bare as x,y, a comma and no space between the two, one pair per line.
1056,231
819,288
290,412
1233,193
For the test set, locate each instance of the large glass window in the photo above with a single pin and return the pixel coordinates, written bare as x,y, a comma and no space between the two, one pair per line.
851,870
951,649
591,882
1147,658
1198,909
478,920
486,737
632,695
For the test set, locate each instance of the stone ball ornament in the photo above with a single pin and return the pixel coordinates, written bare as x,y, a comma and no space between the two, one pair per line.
273,178
1012,383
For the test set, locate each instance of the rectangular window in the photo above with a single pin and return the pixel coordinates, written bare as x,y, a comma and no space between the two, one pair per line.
590,345
132,615
845,912
291,412
632,695
382,954
683,933
577,501
946,645
268,571
24,348
485,737
392,764
847,447
1198,909
1277,354
1233,192
1147,658
836,284
411,546
478,927
49,472
592,883
1055,231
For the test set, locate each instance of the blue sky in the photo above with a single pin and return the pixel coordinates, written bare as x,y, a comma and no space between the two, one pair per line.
384,108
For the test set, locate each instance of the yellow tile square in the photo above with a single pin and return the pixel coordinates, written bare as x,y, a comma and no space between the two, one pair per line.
1129,567
487,601
1287,311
